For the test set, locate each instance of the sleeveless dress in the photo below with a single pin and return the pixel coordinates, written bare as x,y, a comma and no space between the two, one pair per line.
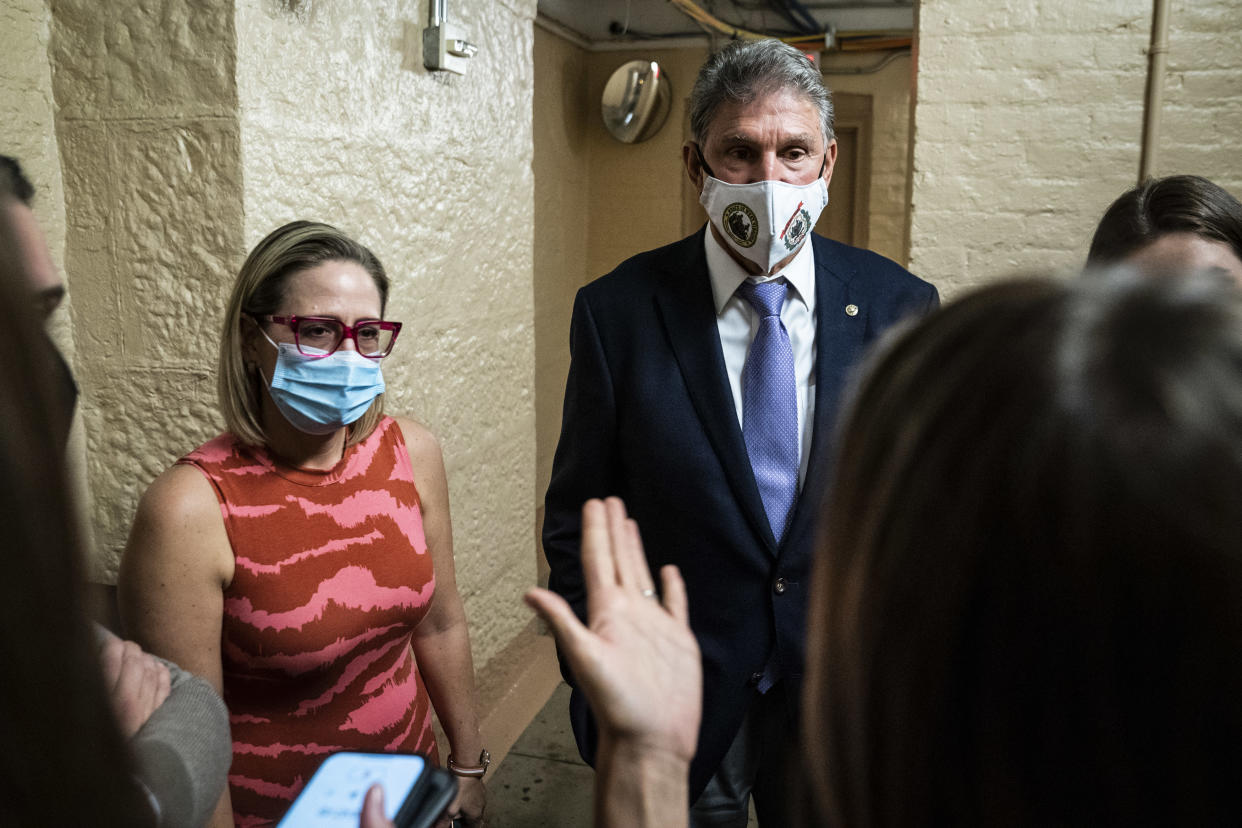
332,574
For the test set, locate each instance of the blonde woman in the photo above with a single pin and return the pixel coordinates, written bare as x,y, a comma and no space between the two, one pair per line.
303,560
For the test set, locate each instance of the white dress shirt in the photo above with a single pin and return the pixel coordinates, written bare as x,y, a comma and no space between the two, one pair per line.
737,322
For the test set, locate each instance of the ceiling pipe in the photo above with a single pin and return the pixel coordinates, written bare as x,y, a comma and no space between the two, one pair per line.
1155,88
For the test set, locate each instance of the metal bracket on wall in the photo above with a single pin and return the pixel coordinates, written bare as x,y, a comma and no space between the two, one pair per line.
445,47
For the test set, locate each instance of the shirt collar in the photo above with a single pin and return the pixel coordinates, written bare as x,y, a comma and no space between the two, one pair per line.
727,275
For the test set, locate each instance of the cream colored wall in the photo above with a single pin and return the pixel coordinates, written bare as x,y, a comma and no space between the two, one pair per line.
561,167
146,121
636,189
339,121
1028,120
597,201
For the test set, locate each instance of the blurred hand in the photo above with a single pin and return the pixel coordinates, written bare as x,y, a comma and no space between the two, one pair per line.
137,683
468,806
637,660
373,809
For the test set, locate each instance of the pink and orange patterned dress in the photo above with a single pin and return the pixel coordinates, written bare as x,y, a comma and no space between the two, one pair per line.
332,574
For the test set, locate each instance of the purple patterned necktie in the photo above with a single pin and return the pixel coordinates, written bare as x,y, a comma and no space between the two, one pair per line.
770,405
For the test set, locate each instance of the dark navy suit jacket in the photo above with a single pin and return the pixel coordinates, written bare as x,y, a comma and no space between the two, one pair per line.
649,416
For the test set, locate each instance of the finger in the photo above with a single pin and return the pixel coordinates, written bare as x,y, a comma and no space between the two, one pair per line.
129,693
573,637
148,682
163,684
153,679
131,675
453,811
597,567
627,550
555,611
614,508
636,554
111,656
373,808
675,594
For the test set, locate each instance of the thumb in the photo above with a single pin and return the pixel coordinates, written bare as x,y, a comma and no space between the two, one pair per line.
556,613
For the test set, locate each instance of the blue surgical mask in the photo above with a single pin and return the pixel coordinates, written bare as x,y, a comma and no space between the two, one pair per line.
320,395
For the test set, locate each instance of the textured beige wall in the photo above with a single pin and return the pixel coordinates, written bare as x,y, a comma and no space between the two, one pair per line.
561,166
1028,120
188,130
340,122
146,120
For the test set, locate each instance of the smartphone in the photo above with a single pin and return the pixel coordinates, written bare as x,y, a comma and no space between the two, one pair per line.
415,793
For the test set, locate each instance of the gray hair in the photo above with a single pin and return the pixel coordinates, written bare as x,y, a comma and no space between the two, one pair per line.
747,69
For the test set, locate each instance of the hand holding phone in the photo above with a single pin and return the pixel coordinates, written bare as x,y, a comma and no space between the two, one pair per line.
415,793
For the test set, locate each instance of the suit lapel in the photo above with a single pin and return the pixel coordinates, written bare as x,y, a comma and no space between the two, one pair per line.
687,311
838,347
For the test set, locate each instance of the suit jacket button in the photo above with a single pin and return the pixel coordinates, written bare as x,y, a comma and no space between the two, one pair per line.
779,586
754,679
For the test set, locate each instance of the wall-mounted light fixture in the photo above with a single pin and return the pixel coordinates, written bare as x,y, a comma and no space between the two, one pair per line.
445,47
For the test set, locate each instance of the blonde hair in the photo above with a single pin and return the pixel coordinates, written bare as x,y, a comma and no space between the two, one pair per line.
258,291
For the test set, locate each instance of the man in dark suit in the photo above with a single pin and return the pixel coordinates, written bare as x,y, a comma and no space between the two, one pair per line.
704,386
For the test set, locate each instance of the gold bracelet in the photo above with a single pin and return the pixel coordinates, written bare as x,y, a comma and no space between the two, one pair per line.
477,772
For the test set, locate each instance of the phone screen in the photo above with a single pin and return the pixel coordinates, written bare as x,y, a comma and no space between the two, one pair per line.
334,795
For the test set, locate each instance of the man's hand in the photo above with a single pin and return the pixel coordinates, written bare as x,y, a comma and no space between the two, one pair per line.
637,661
138,683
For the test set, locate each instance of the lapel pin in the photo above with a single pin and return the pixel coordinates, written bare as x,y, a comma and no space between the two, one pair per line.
851,310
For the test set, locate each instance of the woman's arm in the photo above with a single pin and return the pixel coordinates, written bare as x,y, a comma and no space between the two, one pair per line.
442,640
173,574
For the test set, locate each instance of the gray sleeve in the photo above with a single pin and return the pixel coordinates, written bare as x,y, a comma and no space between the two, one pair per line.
184,750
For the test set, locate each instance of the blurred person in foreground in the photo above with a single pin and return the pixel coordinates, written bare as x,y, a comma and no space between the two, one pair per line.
1026,602
1169,224
174,724
303,560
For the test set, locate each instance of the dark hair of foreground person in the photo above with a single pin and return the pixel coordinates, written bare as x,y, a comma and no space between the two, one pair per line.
63,760
1028,597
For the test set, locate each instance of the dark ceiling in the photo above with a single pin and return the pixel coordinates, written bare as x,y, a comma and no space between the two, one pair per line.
604,21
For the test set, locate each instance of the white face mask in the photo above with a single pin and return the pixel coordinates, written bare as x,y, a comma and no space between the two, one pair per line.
764,221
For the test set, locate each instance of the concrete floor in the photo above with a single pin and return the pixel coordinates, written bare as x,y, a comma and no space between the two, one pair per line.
542,782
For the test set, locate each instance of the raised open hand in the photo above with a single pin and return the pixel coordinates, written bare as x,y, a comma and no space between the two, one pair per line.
636,659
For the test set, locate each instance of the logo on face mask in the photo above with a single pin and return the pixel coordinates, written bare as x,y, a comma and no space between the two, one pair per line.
740,223
763,221
797,228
